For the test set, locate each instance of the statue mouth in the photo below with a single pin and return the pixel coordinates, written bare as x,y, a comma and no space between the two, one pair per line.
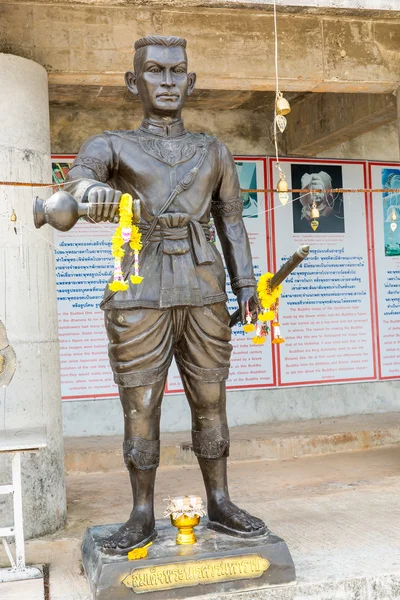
166,96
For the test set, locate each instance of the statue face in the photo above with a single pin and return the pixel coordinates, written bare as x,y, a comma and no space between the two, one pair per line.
161,79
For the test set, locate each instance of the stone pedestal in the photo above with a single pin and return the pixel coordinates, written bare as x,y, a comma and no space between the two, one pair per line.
216,564
28,294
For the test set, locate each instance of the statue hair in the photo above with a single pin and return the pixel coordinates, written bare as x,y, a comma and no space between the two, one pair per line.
156,40
160,40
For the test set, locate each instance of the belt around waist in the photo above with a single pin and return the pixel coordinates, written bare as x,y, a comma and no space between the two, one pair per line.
173,233
175,240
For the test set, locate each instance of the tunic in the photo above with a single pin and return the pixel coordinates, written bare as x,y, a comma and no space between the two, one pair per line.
180,266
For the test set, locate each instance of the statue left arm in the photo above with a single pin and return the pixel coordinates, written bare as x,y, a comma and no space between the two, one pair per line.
226,208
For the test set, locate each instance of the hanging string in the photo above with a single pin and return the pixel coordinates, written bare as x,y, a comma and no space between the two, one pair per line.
278,166
330,190
257,190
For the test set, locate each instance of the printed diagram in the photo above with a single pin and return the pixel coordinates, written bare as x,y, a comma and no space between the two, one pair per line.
329,205
391,211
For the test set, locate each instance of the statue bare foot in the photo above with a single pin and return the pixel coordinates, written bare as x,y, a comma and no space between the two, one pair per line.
226,517
136,532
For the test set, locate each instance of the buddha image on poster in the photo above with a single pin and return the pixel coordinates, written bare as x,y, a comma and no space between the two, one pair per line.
329,204
391,211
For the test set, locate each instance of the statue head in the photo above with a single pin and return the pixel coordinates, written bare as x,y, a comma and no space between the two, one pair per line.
160,77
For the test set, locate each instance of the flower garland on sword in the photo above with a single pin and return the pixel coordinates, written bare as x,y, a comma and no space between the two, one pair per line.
269,300
125,233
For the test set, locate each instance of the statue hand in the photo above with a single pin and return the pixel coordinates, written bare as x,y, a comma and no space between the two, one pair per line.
248,294
104,204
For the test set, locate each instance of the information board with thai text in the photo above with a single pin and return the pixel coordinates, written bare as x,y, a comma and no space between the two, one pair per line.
340,309
327,305
385,216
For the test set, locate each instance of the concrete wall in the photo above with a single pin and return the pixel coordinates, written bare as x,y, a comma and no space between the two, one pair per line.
84,43
340,4
379,144
244,131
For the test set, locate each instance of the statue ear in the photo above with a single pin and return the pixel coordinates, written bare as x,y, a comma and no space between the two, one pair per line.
130,82
192,83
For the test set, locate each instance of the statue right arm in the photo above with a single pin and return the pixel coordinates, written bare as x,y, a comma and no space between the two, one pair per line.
89,175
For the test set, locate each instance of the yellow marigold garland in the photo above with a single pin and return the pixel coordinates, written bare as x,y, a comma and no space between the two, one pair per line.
267,297
269,300
125,232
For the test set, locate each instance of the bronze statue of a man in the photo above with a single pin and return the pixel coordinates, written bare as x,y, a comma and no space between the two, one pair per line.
179,310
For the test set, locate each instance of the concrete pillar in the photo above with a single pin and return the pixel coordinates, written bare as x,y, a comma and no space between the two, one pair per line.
27,294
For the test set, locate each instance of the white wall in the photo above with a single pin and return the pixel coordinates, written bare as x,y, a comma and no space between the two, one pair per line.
104,417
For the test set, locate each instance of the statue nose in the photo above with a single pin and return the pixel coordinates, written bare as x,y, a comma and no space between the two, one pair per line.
167,79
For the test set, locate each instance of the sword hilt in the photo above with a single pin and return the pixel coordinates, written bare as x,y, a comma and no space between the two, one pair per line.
285,270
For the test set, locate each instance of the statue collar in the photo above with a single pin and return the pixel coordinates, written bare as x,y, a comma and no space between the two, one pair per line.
161,129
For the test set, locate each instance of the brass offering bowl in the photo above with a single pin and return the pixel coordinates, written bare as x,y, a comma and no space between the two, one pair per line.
185,526
185,513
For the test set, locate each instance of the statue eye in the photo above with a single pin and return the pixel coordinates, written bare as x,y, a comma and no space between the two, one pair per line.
154,69
180,70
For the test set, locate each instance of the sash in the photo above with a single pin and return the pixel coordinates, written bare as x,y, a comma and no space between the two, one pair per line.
185,183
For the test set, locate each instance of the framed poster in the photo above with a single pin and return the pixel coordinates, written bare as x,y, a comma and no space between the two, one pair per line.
251,366
326,310
83,267
385,215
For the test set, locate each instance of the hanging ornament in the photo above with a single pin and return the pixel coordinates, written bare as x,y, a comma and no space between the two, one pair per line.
281,123
13,219
118,284
278,339
249,326
265,330
314,212
282,187
125,233
259,338
136,277
314,215
393,226
283,197
282,105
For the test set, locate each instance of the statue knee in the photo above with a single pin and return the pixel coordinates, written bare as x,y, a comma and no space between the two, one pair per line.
141,454
142,412
211,443
209,398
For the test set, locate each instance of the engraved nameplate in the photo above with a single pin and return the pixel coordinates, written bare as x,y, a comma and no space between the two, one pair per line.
196,572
